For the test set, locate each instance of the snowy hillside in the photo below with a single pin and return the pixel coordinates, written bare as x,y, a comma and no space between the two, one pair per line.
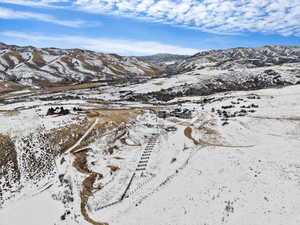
47,66
241,58
204,73
232,160
225,70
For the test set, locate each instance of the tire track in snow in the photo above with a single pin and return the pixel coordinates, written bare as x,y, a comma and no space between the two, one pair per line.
82,137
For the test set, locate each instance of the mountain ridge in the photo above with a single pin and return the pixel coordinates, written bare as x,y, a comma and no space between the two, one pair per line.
29,65
44,67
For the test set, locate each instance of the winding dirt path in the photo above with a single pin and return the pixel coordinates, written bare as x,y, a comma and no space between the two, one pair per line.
88,184
80,163
188,134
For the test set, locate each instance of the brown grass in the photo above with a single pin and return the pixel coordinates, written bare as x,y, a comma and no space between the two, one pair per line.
15,54
80,163
7,148
154,71
48,88
70,135
113,168
38,59
96,101
7,57
188,134
117,157
8,161
87,191
66,137
68,61
74,87
86,65
158,83
110,150
115,115
91,137
9,86
117,69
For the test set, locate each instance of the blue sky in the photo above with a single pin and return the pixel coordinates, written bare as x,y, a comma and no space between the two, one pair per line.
144,27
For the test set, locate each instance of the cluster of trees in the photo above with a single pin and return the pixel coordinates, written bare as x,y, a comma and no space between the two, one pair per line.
77,109
57,111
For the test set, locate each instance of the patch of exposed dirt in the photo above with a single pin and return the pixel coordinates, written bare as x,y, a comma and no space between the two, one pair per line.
38,59
116,116
110,150
87,191
88,187
113,168
80,162
158,83
96,101
188,134
69,135
72,87
9,86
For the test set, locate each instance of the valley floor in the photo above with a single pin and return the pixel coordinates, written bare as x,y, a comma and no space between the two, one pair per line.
234,161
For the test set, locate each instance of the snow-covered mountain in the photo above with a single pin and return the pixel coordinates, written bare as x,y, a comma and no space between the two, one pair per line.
226,70
241,58
44,66
50,66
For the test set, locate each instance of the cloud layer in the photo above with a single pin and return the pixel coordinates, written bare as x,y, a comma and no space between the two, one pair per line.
215,16
123,47
6,13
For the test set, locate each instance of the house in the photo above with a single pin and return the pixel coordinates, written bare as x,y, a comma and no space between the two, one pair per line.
162,114
178,112
171,128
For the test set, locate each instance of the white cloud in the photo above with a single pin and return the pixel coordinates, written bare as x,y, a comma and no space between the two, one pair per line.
11,14
25,2
119,46
37,3
215,16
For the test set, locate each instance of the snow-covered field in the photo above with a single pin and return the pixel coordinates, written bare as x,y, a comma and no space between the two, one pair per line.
235,161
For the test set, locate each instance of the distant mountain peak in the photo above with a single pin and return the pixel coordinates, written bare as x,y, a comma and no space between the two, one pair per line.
162,57
245,57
